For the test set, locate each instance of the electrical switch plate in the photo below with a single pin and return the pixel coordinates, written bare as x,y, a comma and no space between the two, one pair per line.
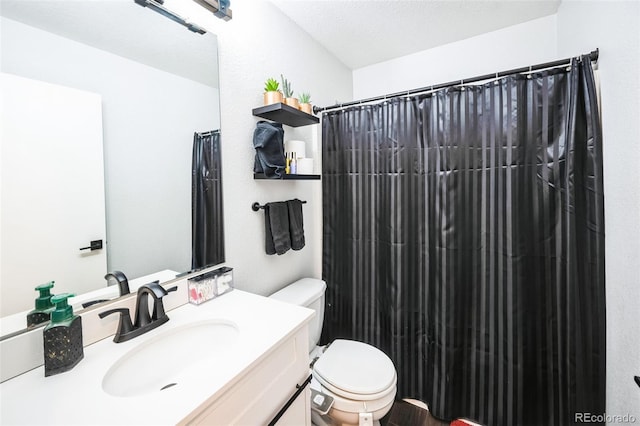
320,402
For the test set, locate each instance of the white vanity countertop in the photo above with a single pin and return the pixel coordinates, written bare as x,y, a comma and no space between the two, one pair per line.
77,397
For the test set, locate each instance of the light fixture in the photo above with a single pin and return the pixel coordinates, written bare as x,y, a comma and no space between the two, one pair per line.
219,8
187,12
157,6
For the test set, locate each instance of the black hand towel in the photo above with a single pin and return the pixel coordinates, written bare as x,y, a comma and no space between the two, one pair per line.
268,141
296,227
276,227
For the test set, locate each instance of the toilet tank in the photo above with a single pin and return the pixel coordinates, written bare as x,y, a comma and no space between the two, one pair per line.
307,292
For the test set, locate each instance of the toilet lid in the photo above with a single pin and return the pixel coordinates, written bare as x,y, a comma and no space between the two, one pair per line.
355,368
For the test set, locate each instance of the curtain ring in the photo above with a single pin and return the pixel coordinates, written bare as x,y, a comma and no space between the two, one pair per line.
529,74
496,82
462,85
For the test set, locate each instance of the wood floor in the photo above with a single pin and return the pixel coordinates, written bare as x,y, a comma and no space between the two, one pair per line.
405,414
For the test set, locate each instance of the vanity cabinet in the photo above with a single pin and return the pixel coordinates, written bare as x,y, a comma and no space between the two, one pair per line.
245,382
258,395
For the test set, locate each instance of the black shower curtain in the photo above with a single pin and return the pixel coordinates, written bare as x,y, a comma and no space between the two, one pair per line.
207,224
464,236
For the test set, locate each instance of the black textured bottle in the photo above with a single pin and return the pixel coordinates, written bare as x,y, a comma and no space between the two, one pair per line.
62,338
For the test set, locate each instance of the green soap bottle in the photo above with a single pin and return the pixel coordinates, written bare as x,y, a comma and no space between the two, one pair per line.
44,307
62,338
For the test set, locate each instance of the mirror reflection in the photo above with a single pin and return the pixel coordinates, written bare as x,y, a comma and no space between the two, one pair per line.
97,143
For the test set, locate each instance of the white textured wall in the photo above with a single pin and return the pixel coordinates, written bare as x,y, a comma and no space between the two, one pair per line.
512,47
614,27
261,42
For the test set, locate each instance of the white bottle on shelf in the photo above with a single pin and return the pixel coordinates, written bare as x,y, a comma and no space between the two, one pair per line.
294,164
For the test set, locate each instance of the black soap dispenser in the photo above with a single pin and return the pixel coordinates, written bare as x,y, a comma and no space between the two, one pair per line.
62,338
44,307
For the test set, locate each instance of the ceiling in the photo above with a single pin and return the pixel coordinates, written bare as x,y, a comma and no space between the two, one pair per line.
365,32
357,32
113,25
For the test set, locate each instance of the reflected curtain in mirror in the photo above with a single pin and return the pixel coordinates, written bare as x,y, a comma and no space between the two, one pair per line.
464,236
206,197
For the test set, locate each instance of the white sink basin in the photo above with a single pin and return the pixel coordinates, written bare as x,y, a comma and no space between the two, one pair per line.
177,354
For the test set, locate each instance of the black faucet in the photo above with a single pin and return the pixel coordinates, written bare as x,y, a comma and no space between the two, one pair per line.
144,320
118,277
143,317
113,278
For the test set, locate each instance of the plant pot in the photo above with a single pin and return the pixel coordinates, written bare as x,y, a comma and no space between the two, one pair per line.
306,107
272,97
292,102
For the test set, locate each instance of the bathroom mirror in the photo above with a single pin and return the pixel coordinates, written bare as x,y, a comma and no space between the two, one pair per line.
156,84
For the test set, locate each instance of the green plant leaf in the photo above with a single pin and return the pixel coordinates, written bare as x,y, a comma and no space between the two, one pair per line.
286,87
271,85
304,98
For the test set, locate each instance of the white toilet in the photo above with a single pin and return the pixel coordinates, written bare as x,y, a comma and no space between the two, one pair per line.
360,378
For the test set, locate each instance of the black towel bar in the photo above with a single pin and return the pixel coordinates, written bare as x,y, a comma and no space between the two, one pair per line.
256,206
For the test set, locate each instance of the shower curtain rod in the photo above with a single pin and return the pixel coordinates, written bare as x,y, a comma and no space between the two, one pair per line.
593,56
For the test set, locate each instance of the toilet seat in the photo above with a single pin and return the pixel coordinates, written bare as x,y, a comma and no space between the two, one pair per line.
356,371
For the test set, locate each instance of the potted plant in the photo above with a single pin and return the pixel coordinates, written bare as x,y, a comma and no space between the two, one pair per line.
305,103
288,93
272,94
